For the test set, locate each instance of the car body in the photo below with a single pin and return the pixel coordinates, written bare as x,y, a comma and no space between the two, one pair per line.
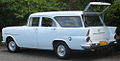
78,30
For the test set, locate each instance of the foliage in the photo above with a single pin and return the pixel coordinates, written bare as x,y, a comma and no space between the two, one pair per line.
113,14
16,12
0,37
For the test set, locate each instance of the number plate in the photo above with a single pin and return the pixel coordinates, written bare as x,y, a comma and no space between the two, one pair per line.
102,43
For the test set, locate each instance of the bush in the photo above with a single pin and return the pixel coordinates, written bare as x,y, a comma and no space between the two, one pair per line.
113,14
1,44
0,37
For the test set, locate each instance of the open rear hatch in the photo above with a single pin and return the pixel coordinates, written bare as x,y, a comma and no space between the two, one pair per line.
96,8
98,34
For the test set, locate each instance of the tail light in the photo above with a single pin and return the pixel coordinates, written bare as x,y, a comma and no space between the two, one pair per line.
88,38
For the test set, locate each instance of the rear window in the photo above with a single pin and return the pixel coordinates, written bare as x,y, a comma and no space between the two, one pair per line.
92,21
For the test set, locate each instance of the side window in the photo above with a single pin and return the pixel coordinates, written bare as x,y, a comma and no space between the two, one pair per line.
47,22
35,21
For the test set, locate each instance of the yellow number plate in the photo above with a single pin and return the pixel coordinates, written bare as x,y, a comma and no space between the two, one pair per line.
103,43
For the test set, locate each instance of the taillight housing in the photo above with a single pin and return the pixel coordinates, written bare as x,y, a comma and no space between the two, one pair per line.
87,39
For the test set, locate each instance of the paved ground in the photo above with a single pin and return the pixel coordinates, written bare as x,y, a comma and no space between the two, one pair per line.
40,55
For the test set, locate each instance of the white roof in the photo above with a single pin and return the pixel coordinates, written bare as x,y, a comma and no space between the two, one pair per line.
57,13
99,3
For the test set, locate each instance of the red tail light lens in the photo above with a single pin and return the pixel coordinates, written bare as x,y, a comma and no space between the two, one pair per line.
87,39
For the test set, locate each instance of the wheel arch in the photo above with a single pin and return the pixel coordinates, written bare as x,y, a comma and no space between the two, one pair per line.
57,41
11,37
8,37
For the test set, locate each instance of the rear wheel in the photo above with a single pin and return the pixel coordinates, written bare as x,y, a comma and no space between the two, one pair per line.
11,46
117,47
62,50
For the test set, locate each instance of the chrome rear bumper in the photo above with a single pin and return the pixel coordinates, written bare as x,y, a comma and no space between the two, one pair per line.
96,45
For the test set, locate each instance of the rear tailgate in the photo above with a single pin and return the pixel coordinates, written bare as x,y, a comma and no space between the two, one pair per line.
98,34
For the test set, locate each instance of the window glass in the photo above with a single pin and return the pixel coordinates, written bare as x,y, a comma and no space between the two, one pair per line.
92,21
96,8
69,21
35,21
48,22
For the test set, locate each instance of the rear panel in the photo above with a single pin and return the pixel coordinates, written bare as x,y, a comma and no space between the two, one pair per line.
98,34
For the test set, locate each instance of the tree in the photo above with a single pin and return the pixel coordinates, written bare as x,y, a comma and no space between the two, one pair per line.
113,14
16,12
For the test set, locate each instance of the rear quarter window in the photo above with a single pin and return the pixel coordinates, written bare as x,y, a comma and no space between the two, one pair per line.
69,21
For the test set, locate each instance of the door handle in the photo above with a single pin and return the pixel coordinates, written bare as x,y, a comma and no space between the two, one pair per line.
35,29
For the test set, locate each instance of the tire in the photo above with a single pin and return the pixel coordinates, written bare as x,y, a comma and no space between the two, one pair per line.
62,50
117,47
12,46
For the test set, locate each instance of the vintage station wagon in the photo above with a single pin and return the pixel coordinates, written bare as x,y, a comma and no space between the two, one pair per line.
62,31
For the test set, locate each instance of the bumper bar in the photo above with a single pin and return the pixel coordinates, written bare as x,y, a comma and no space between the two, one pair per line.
96,45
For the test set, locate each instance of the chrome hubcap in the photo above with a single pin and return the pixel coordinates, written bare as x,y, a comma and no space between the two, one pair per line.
12,45
61,50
